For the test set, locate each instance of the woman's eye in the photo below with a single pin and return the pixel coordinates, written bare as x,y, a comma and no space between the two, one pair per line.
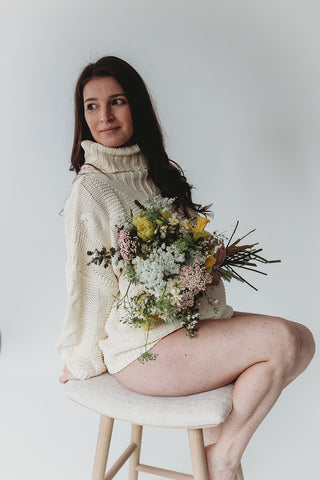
120,100
91,106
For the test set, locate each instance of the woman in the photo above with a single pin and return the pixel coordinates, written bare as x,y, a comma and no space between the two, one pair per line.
118,139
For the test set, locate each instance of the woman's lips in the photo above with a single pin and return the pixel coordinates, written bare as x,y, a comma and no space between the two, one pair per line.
109,130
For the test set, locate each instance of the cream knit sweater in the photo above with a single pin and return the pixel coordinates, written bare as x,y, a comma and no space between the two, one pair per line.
93,339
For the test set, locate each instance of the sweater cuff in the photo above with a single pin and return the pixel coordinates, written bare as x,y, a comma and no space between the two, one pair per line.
80,369
83,373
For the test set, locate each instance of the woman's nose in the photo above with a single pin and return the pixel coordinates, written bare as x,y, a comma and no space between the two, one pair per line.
106,114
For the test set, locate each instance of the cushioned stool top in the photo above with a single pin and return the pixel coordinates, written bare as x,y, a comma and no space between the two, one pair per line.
106,396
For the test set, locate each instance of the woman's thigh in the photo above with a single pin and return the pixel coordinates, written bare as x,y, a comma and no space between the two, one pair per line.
221,350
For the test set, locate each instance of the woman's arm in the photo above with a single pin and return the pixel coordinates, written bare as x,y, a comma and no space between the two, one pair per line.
91,289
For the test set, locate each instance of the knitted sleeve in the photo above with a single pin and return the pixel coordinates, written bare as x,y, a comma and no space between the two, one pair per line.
91,289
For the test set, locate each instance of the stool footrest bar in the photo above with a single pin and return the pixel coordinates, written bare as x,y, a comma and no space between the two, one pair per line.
163,472
120,462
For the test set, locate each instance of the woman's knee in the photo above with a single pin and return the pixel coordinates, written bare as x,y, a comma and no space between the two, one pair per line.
288,343
308,346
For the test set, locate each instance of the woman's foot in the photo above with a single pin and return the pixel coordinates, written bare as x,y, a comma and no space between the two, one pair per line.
219,466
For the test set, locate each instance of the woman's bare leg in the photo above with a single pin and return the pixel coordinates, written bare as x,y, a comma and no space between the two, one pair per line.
260,385
211,435
263,354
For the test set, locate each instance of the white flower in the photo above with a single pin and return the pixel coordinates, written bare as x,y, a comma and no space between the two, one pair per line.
175,292
163,261
173,220
172,288
183,226
158,201
163,231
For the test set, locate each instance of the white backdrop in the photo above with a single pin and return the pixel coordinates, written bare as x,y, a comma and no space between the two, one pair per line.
237,89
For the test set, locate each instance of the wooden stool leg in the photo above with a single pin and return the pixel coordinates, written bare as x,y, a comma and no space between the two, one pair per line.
136,435
198,456
103,446
240,473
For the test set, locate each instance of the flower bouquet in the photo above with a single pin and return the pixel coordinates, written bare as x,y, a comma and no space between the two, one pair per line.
174,260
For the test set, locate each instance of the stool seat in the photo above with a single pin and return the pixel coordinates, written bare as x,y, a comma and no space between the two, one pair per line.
106,396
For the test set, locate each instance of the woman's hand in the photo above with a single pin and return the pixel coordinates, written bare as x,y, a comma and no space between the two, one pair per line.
66,375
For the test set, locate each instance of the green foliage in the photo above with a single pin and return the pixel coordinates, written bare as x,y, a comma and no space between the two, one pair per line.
184,243
164,305
131,273
101,257
153,214
146,357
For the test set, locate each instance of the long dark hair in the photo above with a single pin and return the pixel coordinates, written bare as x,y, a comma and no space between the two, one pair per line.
167,175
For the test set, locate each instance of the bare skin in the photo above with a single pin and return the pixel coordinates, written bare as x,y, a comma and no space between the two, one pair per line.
66,375
261,353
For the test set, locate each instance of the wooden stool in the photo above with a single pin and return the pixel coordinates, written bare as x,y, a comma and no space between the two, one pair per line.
106,396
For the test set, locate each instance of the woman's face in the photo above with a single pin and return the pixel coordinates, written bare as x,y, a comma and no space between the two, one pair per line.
107,112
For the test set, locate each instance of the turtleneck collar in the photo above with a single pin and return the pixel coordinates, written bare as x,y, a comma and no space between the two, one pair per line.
114,159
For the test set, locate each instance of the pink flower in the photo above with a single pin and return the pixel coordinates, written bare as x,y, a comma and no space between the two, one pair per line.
194,278
128,246
186,299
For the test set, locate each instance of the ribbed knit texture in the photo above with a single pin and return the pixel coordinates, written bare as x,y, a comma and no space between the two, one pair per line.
93,338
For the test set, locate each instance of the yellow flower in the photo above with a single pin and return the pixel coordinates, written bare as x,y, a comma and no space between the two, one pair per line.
198,231
151,322
210,261
145,228
164,218
166,215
